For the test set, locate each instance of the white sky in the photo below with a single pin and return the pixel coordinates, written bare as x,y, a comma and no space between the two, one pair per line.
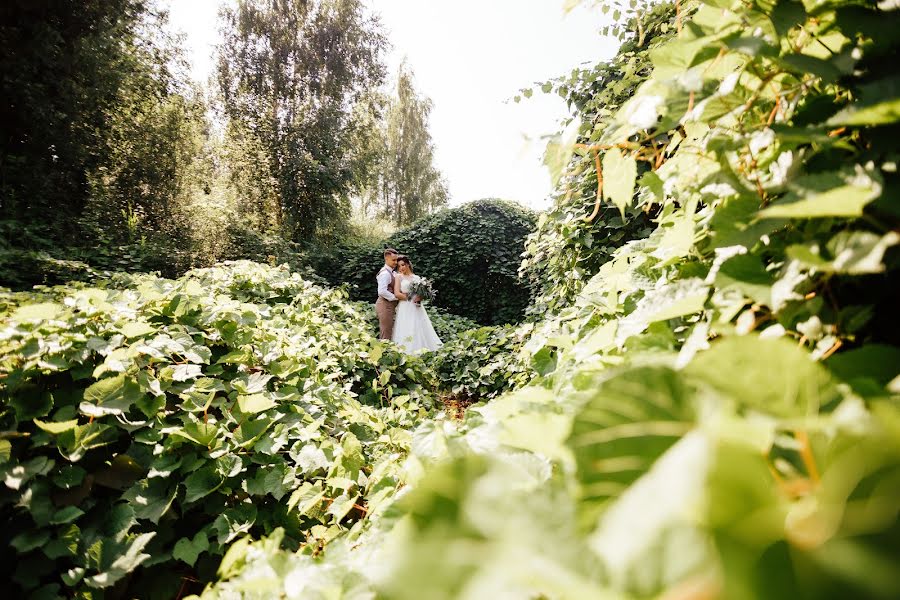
470,57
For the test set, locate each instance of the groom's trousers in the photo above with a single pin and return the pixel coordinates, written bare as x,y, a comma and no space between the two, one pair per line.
386,311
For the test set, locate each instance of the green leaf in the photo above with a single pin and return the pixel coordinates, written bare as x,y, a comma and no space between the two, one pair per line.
803,64
75,442
745,272
625,426
73,576
120,474
255,403
110,396
16,476
202,482
619,175
29,540
30,402
734,223
66,515
877,362
151,498
65,545
825,195
342,505
137,329
306,498
544,361
234,522
848,252
559,151
276,480
127,561
56,428
41,311
69,476
187,550
772,376
878,104
186,372
234,559
5,451
250,431
198,432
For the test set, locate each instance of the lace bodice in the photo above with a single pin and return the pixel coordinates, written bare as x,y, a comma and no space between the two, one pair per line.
405,282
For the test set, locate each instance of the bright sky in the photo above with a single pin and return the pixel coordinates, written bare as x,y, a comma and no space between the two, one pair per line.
470,57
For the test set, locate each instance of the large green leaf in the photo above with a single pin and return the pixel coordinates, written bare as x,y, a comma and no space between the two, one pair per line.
830,194
772,376
255,403
41,311
878,104
559,151
128,560
202,482
111,396
188,550
745,272
627,424
849,252
619,175
151,498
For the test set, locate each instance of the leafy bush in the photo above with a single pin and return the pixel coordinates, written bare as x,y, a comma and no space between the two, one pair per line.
480,364
22,269
447,325
581,231
149,423
472,253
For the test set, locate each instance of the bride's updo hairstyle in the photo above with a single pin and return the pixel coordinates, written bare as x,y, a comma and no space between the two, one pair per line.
405,259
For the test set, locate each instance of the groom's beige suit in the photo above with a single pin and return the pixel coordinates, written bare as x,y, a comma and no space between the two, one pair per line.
386,305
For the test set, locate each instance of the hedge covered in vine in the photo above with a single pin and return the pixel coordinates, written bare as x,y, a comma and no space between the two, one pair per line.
472,253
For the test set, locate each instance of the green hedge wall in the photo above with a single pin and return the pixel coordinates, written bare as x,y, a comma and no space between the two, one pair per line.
472,253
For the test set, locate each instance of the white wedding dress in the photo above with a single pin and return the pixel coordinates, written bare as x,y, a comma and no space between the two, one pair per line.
413,331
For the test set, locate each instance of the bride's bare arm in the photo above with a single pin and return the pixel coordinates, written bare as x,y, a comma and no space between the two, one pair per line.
400,295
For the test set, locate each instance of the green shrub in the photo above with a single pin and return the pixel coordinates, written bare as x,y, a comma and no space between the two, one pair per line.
150,423
480,364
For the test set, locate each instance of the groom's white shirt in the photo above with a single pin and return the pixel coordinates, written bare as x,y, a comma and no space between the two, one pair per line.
384,280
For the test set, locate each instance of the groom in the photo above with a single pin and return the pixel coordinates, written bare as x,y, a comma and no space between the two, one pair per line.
386,304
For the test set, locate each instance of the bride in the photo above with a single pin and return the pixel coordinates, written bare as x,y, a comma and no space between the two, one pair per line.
413,331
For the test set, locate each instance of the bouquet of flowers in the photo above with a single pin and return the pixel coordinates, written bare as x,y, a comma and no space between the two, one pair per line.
421,290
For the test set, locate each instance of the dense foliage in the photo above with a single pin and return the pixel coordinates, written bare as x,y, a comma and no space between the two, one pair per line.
717,413
99,131
152,422
480,364
582,230
471,252
113,157
290,74
714,412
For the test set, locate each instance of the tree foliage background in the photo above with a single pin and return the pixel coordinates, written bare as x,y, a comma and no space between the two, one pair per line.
114,159
407,185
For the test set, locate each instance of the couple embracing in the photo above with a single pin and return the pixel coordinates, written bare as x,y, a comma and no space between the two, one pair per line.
402,318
